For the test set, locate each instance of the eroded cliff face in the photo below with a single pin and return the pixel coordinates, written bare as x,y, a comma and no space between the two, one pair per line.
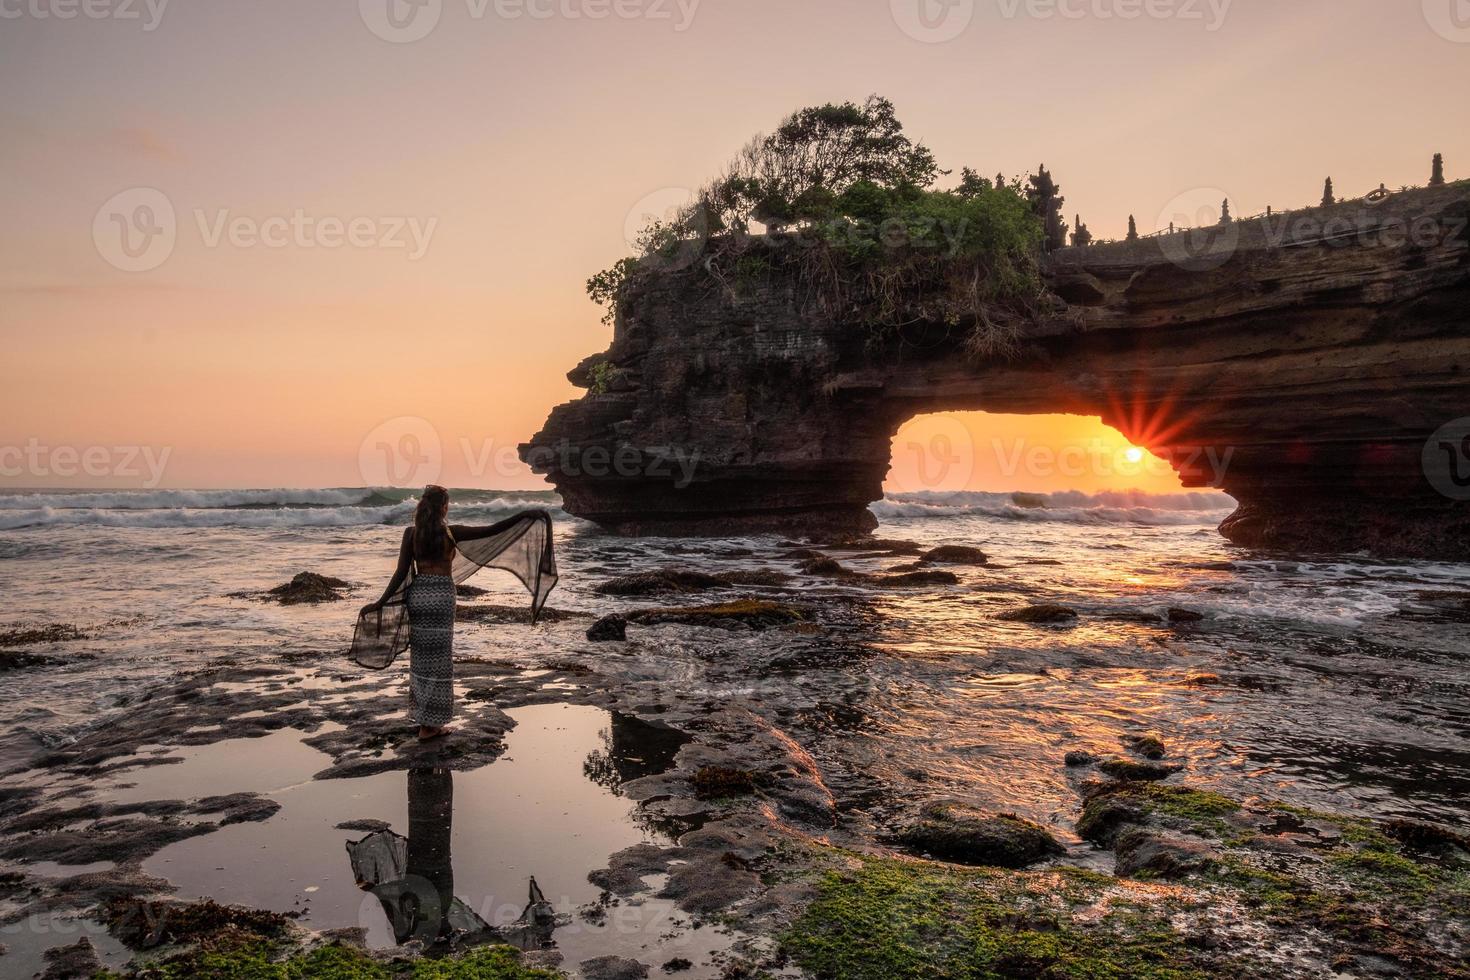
1300,363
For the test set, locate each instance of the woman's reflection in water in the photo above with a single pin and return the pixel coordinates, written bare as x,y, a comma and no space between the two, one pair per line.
413,877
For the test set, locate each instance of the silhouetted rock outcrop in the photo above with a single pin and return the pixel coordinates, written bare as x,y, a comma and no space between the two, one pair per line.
1300,366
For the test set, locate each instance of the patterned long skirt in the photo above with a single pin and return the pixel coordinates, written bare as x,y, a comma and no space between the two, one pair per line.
431,649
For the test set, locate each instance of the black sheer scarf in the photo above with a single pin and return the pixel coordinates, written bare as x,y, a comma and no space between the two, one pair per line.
520,545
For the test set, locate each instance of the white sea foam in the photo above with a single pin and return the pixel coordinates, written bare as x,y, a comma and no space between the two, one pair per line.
1109,507
197,499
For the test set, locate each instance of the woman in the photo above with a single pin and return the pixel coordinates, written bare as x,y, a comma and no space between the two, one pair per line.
417,609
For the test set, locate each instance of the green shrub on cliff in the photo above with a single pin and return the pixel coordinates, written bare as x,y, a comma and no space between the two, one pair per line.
851,215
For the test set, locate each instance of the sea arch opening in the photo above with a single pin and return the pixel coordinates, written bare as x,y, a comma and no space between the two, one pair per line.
994,452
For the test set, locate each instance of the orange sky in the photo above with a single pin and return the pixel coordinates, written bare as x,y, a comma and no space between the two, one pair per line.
521,144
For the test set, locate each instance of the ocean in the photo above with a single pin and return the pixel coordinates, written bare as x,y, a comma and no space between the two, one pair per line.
1334,681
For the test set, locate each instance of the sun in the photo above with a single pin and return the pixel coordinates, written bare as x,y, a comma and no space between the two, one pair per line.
1134,455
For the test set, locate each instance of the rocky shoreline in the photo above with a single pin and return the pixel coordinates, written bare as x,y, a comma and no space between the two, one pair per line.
1154,877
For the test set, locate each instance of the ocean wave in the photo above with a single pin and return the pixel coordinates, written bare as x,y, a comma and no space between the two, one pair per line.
1075,507
261,517
193,499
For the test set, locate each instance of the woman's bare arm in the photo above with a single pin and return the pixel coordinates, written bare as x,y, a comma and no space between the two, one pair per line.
405,561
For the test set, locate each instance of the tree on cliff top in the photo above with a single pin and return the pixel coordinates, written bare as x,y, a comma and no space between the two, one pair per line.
1436,177
1328,197
816,155
851,215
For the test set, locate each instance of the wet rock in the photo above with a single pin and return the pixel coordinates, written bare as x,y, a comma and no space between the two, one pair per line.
1426,837
1142,853
608,628
823,565
49,633
1202,680
955,832
1177,615
506,615
308,587
1148,746
918,578
720,782
470,591
677,965
364,826
24,661
1043,613
1105,814
661,581
802,554
142,924
123,832
957,554
1129,770
754,614
612,968
1078,758
74,962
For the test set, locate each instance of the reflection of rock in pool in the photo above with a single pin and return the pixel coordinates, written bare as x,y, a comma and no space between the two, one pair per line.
632,749
413,876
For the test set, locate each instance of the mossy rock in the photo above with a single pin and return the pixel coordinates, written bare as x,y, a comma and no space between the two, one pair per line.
1133,771
1039,614
50,633
661,581
957,554
309,587
958,833
917,578
1148,746
824,565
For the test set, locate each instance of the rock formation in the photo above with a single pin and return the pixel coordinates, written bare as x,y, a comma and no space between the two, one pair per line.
1301,362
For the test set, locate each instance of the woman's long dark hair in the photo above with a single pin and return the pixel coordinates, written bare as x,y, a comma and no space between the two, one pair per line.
428,523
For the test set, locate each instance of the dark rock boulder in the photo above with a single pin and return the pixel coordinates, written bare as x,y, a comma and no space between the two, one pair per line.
612,968
608,629
1184,615
660,581
742,614
955,832
928,576
957,554
1144,853
1039,614
1129,770
1148,746
308,587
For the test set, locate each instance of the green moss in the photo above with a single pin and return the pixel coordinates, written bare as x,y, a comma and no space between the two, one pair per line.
486,963
889,920
232,956
1384,870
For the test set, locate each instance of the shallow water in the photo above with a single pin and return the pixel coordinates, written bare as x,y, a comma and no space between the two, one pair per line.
1337,682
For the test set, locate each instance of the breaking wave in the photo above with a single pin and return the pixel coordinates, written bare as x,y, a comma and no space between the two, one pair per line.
250,508
1107,507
